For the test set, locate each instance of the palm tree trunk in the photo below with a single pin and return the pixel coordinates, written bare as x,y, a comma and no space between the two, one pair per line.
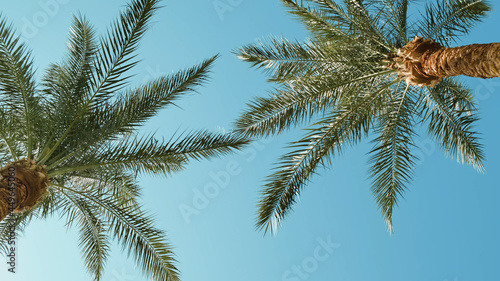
477,60
425,62
22,185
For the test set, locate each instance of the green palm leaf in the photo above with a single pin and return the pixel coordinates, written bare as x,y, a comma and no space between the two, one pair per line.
325,140
135,231
17,83
93,239
147,154
392,159
444,20
114,58
452,123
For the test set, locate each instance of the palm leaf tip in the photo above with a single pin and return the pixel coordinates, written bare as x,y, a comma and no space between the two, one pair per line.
204,144
116,53
388,223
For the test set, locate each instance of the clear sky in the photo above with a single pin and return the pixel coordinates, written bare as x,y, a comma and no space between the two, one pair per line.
446,228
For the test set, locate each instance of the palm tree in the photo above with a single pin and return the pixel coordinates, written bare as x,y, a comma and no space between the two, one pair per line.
359,74
71,146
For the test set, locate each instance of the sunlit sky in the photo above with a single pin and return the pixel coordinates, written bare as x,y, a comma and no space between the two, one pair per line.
446,227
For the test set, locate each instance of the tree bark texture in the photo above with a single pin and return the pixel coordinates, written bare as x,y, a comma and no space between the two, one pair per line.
424,62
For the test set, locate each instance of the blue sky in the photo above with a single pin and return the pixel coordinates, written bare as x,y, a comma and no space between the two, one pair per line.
446,228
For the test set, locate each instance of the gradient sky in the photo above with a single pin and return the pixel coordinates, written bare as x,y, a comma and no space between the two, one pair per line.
446,228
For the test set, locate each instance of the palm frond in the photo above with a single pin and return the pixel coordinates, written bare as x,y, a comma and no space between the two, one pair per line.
451,117
117,183
302,100
392,159
284,60
93,239
9,134
327,138
316,22
135,231
445,20
396,17
206,145
329,21
49,204
17,82
129,111
149,155
115,57
139,154
116,52
280,111
133,109
66,85
357,17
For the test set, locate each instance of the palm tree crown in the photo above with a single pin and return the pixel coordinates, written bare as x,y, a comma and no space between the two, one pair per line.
355,77
74,140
